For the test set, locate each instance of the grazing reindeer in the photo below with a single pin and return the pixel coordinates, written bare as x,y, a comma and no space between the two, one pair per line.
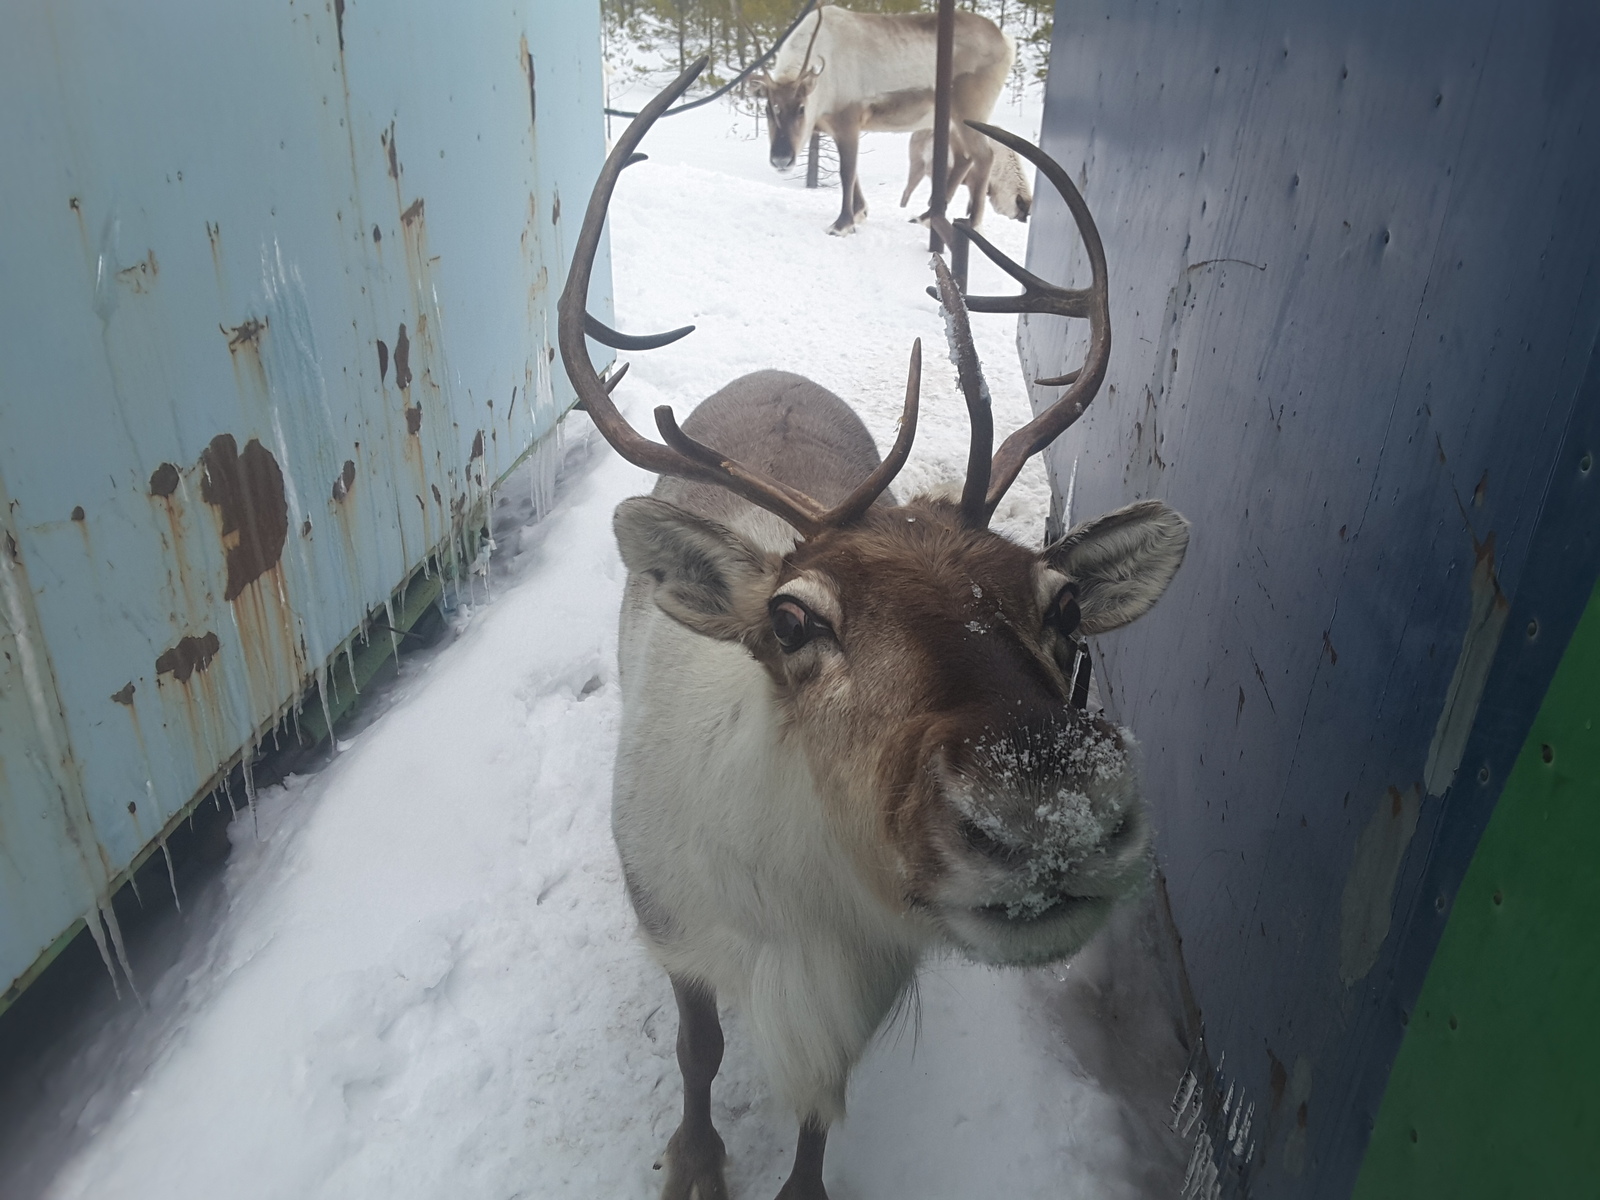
846,733
1009,193
846,73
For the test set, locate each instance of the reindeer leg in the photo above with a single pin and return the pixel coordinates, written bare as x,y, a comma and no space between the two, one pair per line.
847,138
805,1179
695,1154
920,141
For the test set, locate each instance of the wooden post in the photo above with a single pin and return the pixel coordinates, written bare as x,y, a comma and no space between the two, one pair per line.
941,115
812,158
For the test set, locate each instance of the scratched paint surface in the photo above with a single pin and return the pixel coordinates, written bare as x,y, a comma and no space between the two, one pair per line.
276,310
1352,262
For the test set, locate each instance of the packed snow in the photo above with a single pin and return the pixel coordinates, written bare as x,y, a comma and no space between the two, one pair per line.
417,975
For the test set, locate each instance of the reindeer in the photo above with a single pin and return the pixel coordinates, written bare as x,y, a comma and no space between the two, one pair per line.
1008,190
846,736
846,73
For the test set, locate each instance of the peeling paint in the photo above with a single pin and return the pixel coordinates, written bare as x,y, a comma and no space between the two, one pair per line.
402,360
1368,900
1487,619
191,654
248,490
345,481
124,694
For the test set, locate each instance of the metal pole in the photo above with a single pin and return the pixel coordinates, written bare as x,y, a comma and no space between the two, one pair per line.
812,157
958,252
941,115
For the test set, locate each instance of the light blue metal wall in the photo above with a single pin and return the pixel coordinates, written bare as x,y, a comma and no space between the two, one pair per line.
218,449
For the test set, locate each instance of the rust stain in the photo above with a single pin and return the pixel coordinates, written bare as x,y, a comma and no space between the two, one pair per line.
124,694
77,513
345,481
191,654
164,480
377,234
389,145
338,21
402,362
248,489
305,529
555,208
533,93
414,420
1327,645
438,497
477,446
413,214
246,334
142,274
383,361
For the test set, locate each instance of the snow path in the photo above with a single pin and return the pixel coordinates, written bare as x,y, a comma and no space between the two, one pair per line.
422,979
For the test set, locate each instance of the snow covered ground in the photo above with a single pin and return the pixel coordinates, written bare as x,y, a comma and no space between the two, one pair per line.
420,978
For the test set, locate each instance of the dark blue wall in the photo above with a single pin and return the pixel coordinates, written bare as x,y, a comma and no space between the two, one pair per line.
1353,258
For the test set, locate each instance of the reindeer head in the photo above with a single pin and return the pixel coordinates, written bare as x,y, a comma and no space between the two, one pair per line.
921,661
789,115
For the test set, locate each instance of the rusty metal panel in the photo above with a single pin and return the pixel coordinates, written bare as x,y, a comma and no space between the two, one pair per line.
277,289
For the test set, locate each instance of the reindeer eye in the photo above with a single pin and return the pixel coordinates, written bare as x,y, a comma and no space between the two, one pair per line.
1063,614
792,623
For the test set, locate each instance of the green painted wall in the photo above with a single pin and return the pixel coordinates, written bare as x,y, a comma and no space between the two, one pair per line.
1496,1090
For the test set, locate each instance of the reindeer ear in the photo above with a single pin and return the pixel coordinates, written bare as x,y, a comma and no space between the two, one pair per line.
706,576
1121,562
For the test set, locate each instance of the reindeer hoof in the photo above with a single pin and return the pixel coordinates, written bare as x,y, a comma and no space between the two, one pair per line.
694,1167
838,230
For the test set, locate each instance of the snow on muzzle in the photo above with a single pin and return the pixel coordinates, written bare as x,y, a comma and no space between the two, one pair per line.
1044,831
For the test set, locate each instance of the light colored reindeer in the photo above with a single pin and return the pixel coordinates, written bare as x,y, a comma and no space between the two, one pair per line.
847,73
1009,193
847,735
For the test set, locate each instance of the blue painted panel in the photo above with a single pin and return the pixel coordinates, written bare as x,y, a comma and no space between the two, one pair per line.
276,310
1353,267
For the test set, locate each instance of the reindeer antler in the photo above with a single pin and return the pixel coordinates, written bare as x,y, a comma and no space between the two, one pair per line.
682,456
987,482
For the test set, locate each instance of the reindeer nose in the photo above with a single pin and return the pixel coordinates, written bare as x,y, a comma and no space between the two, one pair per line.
783,161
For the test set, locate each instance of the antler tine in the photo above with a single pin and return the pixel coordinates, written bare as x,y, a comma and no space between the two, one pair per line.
1093,302
608,336
858,501
683,457
958,330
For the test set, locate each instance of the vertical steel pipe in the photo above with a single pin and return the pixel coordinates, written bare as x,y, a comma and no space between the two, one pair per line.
941,116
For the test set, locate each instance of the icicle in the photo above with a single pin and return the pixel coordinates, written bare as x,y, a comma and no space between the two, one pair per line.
247,764
327,713
1180,1102
172,876
133,882
1194,1116
394,638
91,920
1227,1101
1244,1130
294,712
350,662
227,790
122,952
